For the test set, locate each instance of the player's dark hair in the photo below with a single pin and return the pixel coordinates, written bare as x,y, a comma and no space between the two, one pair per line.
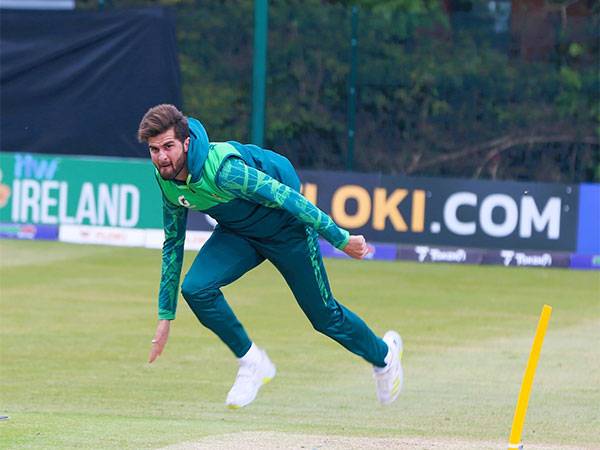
159,119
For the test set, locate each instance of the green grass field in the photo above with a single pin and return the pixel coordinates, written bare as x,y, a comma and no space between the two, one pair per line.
77,321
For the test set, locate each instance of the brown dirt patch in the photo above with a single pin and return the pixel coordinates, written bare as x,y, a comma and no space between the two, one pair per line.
250,440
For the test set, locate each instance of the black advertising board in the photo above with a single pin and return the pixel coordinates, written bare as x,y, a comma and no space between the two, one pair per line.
456,255
448,212
78,82
527,259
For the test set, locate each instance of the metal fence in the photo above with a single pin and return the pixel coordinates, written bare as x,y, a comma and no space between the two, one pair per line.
469,88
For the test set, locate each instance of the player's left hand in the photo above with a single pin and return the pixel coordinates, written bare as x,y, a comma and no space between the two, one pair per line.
160,339
356,247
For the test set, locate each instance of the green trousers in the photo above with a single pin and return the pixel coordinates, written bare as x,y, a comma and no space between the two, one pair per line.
226,256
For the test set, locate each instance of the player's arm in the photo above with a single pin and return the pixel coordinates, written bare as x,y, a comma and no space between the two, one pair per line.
243,181
174,224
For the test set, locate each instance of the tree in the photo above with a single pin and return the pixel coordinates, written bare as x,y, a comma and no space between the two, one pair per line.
445,88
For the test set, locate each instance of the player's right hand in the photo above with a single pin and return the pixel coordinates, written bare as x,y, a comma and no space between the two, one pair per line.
160,339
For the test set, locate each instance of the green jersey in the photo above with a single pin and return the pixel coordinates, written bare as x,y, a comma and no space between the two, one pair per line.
249,190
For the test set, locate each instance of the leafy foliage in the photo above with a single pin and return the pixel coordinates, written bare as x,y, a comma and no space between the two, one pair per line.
438,93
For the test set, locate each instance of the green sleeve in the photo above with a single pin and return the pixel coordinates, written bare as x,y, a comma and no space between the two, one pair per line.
174,223
246,182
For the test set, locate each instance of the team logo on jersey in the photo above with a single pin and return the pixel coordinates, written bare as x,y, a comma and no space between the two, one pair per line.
183,202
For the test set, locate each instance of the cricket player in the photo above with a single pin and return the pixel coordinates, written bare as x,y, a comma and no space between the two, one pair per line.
253,194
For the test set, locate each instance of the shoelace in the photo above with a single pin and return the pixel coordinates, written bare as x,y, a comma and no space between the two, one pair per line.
245,374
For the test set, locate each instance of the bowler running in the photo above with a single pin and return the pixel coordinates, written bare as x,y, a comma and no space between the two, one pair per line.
254,195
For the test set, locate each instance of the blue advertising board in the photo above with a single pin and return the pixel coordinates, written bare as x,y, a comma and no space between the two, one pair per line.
588,232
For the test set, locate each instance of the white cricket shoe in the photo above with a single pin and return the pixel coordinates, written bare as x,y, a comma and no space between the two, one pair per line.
255,370
389,379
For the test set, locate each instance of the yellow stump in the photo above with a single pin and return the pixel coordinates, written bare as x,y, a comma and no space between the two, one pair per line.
514,441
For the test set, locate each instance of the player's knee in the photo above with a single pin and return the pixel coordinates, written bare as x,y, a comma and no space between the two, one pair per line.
327,323
187,289
320,326
197,291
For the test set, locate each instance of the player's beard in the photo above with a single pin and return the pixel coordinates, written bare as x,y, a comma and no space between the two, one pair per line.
171,171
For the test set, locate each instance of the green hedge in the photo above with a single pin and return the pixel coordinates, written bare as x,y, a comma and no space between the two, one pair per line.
438,94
